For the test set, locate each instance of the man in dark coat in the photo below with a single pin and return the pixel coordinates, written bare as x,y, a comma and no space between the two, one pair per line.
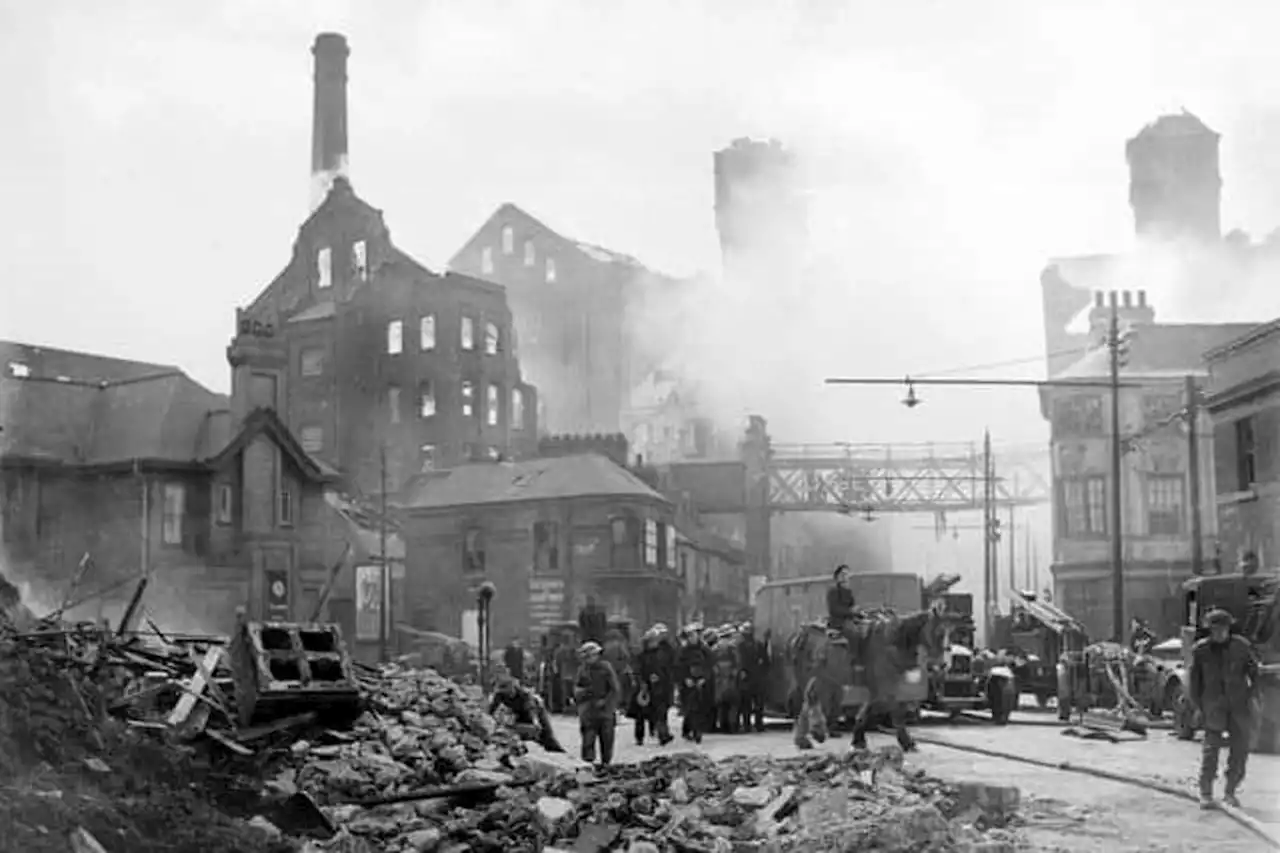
654,685
755,669
528,710
1224,677
597,694
693,668
840,603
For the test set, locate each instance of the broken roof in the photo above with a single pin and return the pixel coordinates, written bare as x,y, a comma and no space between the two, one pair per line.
587,475
596,253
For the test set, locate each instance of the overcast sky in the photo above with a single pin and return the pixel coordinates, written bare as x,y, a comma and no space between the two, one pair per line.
155,157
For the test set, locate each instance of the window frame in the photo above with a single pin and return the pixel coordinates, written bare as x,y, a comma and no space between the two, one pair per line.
549,271
651,553
286,512
1153,487
395,337
426,391
492,338
530,253
394,404
516,416
427,332
223,504
467,333
324,268
305,444
317,351
492,405
360,260
486,260
1246,453
508,240
467,398
1085,518
173,522
473,551
549,544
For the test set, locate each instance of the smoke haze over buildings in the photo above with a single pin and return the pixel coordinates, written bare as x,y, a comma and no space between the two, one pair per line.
949,154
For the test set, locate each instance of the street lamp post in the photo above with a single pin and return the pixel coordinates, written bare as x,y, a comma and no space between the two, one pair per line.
484,601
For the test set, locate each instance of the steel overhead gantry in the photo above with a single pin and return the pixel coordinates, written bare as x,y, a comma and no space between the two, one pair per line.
923,478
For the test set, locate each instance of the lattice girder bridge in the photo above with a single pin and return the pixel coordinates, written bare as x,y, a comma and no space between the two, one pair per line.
919,478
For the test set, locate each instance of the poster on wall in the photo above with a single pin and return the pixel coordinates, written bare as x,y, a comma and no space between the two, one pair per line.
368,602
546,602
277,582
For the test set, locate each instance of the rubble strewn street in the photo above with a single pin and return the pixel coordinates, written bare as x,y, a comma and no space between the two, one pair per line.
91,748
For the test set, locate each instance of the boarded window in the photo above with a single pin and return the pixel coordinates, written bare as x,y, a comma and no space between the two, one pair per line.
427,332
486,260
517,408
324,267
393,404
551,269
311,438
508,240
468,399
1166,506
426,400
491,405
491,339
175,506
359,261
312,361
467,335
546,546
530,253
395,337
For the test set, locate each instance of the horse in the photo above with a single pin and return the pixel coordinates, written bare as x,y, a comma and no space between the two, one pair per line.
889,648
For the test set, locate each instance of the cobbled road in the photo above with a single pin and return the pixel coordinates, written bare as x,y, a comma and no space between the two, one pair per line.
1063,811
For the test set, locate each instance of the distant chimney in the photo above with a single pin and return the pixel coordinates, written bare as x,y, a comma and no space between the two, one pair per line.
1127,312
329,114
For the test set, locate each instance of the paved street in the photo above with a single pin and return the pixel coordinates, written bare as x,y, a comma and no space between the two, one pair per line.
1064,811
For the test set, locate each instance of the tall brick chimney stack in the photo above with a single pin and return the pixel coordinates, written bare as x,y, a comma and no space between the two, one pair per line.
329,114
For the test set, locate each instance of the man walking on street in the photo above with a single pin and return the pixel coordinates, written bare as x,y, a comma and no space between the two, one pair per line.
597,695
693,668
654,683
1224,674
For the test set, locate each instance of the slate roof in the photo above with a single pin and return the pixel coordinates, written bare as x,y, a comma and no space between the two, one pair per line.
1161,349
587,475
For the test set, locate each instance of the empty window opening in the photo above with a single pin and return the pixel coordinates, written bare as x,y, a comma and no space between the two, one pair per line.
325,669
428,455
393,404
486,260
517,408
546,546
324,267
508,240
1246,460
467,334
311,438
468,399
551,269
276,640
318,641
490,338
175,503
491,405
530,253
312,361
395,337
359,261
426,400
427,332
285,669
473,551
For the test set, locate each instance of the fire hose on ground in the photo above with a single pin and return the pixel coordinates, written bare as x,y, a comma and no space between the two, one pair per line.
1248,822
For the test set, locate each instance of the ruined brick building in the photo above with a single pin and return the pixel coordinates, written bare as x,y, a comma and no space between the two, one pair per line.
369,356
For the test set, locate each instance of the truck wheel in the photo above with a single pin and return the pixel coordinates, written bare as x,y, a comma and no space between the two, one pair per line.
1042,700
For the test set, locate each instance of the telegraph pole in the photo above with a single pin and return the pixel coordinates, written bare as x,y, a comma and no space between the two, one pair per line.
1117,461
385,627
987,545
1193,475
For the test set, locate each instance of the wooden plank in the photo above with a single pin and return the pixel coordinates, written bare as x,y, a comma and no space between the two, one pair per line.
188,701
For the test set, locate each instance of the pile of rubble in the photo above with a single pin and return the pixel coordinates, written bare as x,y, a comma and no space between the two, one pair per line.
140,743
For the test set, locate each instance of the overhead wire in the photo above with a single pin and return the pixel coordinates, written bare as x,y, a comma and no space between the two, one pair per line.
992,365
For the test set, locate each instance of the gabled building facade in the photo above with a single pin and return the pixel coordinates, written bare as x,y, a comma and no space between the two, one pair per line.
382,367
151,475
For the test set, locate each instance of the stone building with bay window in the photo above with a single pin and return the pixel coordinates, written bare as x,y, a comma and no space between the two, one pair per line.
549,533
1155,485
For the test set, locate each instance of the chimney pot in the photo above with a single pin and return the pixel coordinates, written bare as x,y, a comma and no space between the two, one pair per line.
1098,299
1142,299
1128,299
1112,298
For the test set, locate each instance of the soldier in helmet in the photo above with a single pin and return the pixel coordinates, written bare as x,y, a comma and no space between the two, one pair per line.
693,668
597,695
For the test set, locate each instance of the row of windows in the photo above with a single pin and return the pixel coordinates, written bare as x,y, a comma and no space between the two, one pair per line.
632,543
1085,502
425,403
509,248
359,260
174,509
427,335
